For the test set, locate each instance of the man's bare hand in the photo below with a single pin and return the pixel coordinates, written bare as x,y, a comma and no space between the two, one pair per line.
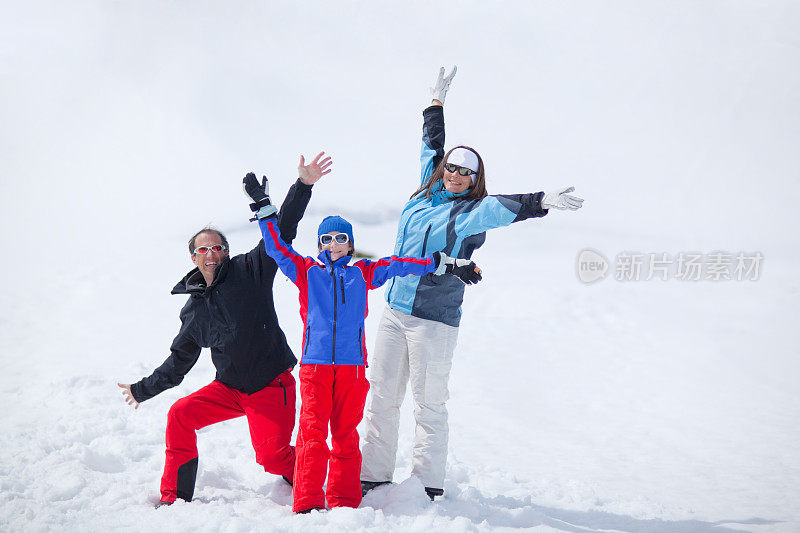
128,395
311,173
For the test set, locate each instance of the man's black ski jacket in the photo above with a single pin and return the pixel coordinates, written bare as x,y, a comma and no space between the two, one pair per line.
234,316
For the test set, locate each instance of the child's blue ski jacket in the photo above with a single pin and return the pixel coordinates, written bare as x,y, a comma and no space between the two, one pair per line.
333,296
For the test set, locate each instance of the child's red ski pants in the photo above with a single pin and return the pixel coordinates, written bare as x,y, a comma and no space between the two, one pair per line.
336,395
270,414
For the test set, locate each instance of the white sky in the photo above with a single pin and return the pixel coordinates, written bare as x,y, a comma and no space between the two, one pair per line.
670,118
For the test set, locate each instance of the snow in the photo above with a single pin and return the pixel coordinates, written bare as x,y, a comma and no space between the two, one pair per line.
635,406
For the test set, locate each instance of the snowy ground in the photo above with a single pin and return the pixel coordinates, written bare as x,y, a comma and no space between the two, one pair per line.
634,406
638,406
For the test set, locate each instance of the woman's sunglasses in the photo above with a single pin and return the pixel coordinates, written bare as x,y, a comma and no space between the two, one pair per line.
202,250
463,171
341,238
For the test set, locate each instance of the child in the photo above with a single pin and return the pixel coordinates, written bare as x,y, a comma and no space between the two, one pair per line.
333,305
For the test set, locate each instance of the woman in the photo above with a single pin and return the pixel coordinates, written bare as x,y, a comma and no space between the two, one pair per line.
450,213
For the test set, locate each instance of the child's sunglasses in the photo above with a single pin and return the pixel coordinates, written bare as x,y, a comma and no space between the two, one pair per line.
464,171
341,238
202,250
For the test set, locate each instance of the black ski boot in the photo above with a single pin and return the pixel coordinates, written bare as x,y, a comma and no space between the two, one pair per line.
432,493
367,486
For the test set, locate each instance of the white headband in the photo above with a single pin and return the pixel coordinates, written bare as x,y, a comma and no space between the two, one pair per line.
465,158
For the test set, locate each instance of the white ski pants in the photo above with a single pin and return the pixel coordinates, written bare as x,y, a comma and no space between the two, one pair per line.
421,350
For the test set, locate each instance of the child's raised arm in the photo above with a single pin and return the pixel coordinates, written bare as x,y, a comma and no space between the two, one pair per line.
292,264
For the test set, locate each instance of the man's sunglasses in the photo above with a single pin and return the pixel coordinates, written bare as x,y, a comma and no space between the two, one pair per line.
464,171
202,250
341,238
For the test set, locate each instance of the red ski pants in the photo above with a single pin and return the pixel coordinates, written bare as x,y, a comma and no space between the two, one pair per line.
332,395
270,414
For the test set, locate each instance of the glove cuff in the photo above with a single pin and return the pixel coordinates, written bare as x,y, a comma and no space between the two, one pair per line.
255,206
444,264
266,211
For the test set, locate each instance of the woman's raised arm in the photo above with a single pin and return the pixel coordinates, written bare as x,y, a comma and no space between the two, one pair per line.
432,149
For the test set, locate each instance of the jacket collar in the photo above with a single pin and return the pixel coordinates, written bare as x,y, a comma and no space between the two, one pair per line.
195,283
340,263
440,195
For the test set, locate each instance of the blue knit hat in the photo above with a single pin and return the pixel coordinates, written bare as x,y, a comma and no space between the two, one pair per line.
335,223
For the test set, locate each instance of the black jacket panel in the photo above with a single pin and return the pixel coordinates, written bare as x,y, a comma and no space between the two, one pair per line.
433,133
530,204
234,316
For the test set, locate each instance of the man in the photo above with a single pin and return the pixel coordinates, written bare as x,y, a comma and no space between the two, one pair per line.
231,310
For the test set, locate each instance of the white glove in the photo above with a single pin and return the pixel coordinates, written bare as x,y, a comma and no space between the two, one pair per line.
559,199
439,91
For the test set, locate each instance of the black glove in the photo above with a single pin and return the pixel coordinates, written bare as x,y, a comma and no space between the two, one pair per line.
466,270
259,193
469,273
